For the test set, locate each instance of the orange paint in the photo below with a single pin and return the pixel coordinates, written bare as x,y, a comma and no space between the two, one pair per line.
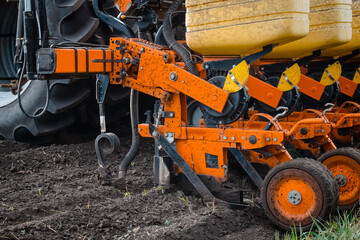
350,169
310,87
347,86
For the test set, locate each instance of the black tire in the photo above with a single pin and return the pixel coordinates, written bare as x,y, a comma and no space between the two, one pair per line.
292,174
344,163
69,102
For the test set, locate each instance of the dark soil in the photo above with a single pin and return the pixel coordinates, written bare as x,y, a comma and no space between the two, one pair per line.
52,192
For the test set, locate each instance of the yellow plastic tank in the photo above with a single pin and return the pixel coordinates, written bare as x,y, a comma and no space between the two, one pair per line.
330,26
355,41
239,27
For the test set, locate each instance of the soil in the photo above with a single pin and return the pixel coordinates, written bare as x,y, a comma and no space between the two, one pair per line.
52,192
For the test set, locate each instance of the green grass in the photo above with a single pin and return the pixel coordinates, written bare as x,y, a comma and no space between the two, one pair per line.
346,225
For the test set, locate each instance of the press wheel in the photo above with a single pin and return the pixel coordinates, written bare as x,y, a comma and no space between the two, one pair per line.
344,163
295,192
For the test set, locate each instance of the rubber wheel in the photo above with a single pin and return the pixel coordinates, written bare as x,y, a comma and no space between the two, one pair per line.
295,192
344,163
70,102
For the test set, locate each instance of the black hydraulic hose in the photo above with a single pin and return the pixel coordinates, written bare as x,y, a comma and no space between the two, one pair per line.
112,21
19,96
134,115
173,44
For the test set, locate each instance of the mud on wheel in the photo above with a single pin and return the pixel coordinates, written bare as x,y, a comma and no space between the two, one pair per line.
295,192
344,163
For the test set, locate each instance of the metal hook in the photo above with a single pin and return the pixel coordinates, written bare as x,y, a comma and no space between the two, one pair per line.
280,115
329,106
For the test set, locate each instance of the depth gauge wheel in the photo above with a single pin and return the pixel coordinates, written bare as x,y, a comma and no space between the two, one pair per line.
295,192
344,163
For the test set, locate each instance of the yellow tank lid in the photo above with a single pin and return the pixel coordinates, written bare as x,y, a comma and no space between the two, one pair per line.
239,27
330,25
354,44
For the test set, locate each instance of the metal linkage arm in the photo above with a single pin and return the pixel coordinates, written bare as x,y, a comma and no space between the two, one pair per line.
133,63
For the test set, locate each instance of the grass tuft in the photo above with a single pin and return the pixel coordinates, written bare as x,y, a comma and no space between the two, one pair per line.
345,225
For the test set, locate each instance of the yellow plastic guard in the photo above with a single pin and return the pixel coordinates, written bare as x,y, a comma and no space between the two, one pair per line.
290,78
357,76
237,78
331,74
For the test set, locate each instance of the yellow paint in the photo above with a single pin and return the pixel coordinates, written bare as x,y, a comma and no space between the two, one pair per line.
330,26
354,44
334,71
241,75
357,76
293,75
239,27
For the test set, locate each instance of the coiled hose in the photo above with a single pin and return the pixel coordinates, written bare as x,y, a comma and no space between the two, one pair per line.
173,44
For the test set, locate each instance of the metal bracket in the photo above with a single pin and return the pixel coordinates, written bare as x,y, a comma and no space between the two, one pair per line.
102,85
168,114
229,64
170,137
175,156
249,169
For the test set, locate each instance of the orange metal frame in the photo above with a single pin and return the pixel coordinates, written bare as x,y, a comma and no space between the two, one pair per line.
153,70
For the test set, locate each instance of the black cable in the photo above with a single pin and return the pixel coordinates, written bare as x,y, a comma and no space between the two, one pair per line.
19,95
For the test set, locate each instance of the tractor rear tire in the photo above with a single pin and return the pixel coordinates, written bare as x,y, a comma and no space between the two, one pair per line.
69,99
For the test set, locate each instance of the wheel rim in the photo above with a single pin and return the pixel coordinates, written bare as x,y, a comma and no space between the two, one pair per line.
284,200
347,172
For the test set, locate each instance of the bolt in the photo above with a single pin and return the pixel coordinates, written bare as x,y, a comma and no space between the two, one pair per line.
141,68
268,139
171,114
140,129
183,81
225,137
173,76
206,66
234,66
166,134
233,138
252,139
275,139
323,131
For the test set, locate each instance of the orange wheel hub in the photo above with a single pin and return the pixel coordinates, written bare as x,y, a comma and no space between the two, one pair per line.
347,173
294,196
